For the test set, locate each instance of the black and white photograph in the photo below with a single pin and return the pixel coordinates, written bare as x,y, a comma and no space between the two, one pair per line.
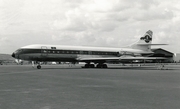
89,54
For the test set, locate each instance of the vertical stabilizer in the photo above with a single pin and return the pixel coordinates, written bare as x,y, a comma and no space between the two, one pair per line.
144,42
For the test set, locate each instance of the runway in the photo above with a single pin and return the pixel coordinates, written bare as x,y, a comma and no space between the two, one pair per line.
64,87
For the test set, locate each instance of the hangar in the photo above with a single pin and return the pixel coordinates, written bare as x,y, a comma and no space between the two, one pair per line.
159,52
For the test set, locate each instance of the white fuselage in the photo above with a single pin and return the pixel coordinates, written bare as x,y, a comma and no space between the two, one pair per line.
41,52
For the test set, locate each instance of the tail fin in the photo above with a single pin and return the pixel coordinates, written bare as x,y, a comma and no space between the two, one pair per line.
144,43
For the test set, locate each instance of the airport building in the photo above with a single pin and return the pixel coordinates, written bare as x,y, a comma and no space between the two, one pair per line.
159,52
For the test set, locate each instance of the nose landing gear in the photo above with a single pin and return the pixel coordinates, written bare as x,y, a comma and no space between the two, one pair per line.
38,66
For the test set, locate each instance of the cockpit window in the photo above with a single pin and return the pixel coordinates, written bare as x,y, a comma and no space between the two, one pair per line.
19,50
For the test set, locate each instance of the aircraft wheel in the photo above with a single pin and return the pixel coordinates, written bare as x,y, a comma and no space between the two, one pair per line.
39,67
101,66
92,66
98,66
87,66
104,66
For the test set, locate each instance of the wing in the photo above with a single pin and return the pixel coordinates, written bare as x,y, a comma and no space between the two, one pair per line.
122,58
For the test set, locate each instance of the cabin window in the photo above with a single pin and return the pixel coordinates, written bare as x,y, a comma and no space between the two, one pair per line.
53,48
85,52
44,51
80,52
90,52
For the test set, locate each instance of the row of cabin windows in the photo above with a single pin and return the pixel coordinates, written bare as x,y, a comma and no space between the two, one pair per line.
79,52
70,52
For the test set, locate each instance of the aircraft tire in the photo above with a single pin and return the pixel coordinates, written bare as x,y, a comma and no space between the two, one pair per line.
101,66
104,66
38,67
92,66
87,66
98,66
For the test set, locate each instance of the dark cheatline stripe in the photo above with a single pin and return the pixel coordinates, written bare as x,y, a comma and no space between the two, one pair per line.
55,51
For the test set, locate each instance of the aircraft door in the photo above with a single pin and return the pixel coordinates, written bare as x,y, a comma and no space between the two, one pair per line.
44,51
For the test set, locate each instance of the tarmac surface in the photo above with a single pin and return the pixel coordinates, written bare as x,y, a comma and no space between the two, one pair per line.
63,87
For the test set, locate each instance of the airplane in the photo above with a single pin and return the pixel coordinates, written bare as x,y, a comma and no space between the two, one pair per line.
94,57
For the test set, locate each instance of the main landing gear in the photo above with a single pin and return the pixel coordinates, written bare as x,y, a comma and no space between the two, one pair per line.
97,66
89,66
101,66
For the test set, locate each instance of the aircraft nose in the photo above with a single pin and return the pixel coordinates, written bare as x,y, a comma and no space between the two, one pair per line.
13,55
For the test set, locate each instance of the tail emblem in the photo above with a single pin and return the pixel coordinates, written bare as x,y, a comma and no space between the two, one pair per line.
146,38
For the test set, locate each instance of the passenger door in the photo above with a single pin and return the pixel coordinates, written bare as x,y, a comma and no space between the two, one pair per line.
44,51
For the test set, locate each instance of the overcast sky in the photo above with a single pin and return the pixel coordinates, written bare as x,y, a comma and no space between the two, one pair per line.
109,23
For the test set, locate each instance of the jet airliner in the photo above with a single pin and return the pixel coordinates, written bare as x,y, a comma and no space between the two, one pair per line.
94,57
